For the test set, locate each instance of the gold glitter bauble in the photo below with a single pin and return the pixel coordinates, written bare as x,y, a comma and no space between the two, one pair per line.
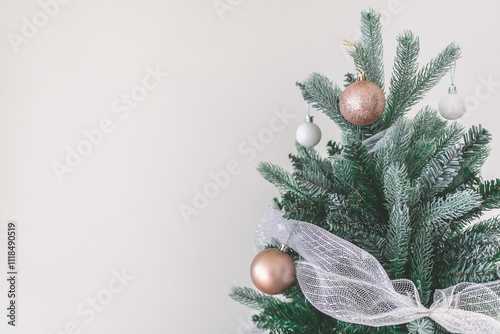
362,102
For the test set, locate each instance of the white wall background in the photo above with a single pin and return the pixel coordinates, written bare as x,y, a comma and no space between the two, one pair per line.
119,208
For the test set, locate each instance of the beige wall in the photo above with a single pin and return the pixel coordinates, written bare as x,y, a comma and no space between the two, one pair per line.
103,65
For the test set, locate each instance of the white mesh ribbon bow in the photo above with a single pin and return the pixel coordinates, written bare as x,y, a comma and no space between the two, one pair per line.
349,284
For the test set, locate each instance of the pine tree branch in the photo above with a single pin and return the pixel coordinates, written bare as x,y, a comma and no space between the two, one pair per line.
365,196
315,163
421,326
422,262
441,212
365,235
490,193
313,185
281,178
403,78
440,172
483,230
318,90
251,298
475,140
474,152
289,317
303,208
394,147
430,75
468,270
427,124
475,246
372,59
396,185
417,157
449,136
333,148
297,162
423,81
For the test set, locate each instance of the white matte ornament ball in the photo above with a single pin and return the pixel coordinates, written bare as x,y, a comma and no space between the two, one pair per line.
452,107
308,134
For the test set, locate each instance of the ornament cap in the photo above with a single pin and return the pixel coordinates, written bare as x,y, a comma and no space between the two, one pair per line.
309,118
362,76
283,248
452,89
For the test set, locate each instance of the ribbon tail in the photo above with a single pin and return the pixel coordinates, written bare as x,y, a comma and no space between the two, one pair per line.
468,308
465,322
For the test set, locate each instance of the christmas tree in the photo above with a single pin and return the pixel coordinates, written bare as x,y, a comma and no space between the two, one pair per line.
407,191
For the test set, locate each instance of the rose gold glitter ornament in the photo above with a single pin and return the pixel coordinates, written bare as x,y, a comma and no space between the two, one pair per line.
272,271
362,102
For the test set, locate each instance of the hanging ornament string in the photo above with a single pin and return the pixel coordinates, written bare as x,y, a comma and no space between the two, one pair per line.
361,61
349,284
452,73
